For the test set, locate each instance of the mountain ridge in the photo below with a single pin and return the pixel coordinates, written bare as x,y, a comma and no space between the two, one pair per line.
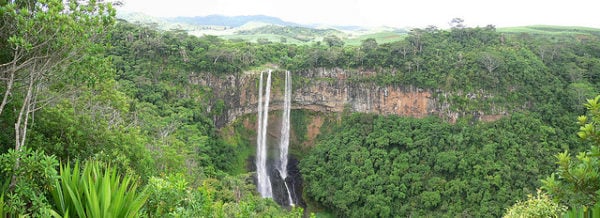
231,21
263,28
238,21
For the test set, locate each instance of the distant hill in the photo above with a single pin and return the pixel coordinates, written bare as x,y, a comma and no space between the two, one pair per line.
551,30
230,21
303,34
256,28
350,28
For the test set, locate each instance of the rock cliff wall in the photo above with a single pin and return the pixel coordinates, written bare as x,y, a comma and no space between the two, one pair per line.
324,90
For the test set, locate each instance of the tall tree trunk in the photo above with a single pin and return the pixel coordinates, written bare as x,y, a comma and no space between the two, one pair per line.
27,109
9,86
21,127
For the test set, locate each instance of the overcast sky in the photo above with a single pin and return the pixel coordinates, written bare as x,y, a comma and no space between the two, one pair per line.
395,13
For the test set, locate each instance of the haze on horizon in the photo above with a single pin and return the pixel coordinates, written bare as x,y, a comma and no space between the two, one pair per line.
413,13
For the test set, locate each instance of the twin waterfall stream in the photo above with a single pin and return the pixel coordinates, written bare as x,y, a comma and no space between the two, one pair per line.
263,181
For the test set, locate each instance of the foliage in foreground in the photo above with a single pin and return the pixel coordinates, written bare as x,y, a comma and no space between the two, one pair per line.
96,190
36,172
536,206
583,211
229,196
576,181
2,213
93,189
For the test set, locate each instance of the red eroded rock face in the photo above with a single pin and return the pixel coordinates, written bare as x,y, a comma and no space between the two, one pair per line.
323,90
313,130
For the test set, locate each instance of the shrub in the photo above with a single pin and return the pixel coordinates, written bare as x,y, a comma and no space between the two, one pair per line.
96,190
538,206
29,174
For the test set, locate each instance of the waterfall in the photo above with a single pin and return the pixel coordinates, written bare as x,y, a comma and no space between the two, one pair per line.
264,183
285,133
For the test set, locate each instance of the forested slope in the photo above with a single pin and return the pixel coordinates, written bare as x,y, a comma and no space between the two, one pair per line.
375,166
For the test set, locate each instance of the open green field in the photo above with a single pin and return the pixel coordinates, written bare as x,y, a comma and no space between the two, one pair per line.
391,36
380,37
551,30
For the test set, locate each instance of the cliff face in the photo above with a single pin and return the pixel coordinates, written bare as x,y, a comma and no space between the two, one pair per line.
324,90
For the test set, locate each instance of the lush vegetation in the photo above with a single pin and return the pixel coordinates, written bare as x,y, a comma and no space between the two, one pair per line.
105,102
575,182
539,206
122,101
377,166
302,34
96,191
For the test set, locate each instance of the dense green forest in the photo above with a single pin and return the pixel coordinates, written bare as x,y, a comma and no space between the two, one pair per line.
99,118
377,166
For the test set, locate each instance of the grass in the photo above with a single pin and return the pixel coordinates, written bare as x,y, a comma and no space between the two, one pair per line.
380,37
391,36
550,30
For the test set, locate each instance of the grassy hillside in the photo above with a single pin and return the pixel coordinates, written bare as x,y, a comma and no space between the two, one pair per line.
257,28
303,34
551,30
380,37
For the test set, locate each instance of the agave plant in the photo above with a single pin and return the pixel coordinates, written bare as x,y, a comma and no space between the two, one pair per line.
96,190
2,213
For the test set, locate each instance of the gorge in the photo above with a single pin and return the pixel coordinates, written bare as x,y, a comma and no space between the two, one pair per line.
336,90
459,122
326,91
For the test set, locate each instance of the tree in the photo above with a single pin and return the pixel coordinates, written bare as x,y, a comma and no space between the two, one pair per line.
333,41
579,92
490,62
368,45
403,48
415,39
369,48
576,182
457,23
48,40
375,166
